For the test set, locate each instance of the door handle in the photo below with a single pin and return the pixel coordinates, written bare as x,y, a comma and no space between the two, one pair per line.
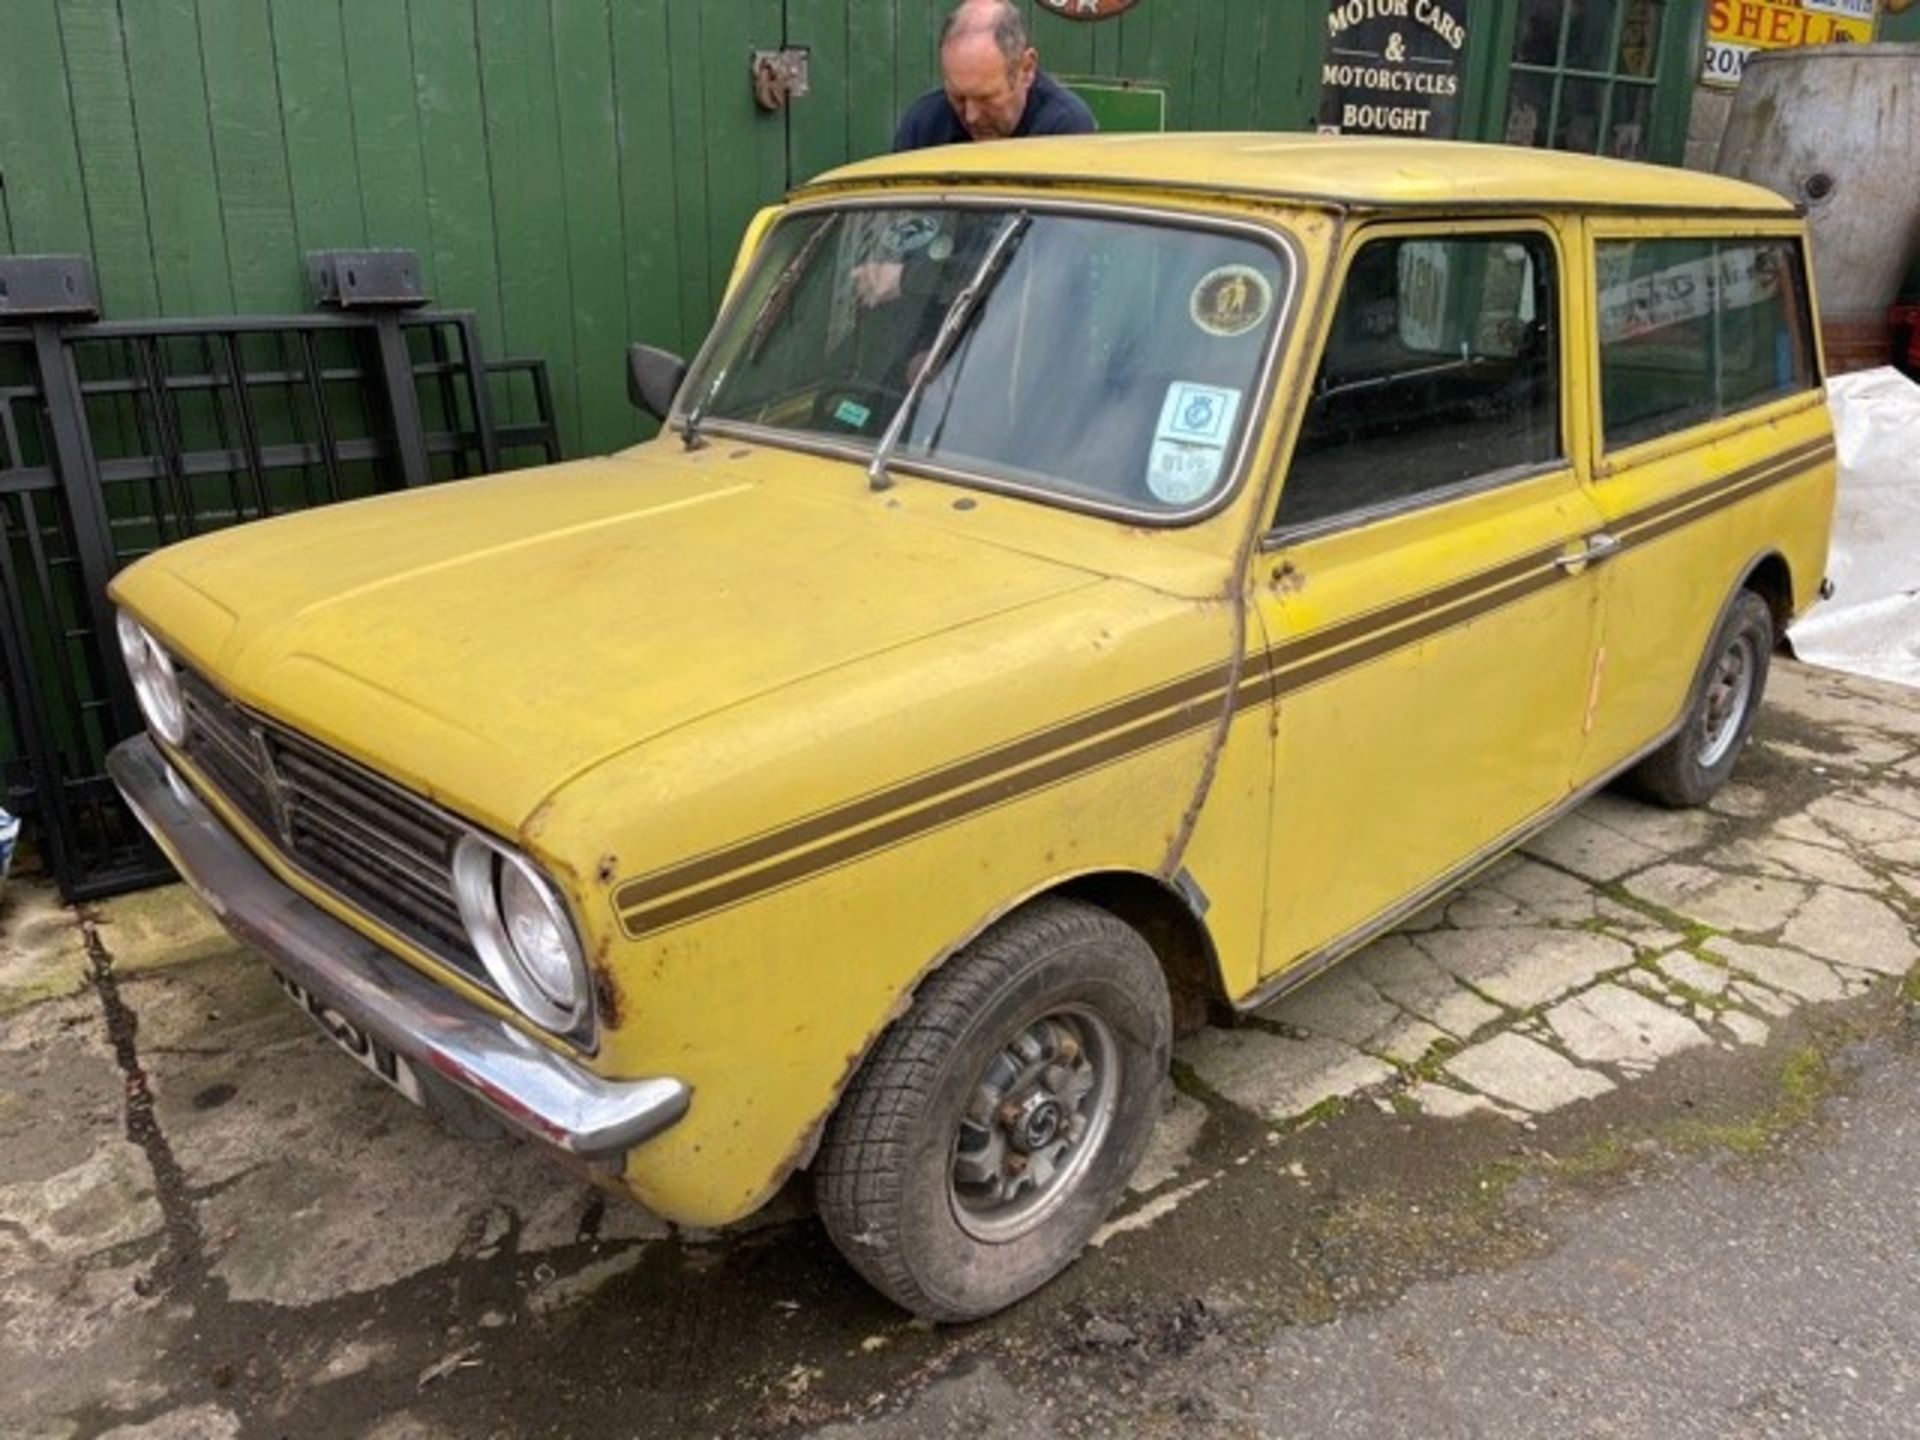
1599,547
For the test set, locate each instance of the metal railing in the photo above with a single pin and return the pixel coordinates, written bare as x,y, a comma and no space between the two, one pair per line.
118,437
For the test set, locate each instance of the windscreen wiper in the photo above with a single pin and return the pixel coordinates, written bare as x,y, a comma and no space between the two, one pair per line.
771,309
965,304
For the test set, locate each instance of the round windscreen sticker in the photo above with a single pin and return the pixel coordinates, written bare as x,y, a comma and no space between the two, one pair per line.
1231,300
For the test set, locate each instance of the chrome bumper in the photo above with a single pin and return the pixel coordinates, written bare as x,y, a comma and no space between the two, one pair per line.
532,1088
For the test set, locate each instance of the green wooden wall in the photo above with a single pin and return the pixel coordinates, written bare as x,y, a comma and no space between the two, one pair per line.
577,172
1901,26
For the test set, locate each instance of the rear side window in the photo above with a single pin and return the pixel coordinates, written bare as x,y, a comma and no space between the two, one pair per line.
1691,330
1442,370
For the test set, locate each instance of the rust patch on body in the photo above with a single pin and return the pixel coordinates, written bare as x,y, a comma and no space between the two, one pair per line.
607,996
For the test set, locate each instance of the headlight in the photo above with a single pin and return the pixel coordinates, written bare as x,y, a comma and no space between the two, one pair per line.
154,684
521,931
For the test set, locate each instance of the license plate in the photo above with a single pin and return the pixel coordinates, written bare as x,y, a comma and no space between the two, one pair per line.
351,1038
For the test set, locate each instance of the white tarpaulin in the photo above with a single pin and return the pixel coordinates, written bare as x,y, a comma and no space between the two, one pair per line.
1871,626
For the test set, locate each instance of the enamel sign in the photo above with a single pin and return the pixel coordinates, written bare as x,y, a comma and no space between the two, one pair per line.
1393,67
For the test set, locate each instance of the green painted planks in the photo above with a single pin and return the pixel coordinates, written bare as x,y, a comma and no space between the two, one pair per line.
1203,83
648,167
744,149
1135,33
453,152
874,115
1171,61
916,66
1247,22
250,157
1107,46
577,172
45,205
523,125
689,138
817,127
109,157
1289,83
310,63
1065,46
386,129
176,156
916,50
590,157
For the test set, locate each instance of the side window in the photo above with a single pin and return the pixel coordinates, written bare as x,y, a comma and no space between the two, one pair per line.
1695,329
1442,367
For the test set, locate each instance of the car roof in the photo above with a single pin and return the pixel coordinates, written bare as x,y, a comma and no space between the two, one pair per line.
1343,171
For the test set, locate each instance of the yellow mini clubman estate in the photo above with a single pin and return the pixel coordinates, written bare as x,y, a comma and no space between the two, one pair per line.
1081,583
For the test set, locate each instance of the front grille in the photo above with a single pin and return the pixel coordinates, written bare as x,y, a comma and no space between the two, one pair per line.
382,850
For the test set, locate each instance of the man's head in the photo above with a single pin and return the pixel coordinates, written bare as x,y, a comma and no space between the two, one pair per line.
987,67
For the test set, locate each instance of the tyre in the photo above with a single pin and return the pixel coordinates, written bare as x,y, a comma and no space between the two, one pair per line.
1696,762
995,1124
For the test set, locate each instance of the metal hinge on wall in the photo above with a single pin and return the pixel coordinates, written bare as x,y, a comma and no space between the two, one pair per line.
781,76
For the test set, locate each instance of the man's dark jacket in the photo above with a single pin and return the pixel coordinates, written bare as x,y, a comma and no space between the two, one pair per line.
1052,109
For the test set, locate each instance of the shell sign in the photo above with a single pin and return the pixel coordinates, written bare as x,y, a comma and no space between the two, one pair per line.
1737,28
1086,9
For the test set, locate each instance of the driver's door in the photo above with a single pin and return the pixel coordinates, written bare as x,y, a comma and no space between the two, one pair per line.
1432,624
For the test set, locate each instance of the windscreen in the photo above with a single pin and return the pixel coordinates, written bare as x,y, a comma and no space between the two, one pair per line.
1104,361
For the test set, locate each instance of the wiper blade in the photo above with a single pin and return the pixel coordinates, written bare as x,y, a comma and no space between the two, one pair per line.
771,309
952,324
781,295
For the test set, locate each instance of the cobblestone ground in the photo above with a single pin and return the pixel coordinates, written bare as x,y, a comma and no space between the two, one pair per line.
210,1225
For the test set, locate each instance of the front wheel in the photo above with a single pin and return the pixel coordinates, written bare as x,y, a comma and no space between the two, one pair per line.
1696,762
996,1123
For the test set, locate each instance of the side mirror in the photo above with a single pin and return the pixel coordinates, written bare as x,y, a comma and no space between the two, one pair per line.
653,379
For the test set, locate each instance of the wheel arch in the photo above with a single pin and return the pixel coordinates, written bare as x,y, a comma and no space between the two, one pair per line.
1172,927
1771,578
1766,575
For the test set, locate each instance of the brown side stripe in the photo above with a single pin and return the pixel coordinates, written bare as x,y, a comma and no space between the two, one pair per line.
1004,773
900,828
1368,622
1302,662
1187,692
1312,668
1727,490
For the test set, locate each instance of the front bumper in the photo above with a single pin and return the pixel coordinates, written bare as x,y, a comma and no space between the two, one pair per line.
533,1089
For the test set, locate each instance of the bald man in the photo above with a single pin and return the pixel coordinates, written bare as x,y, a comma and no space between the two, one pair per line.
992,86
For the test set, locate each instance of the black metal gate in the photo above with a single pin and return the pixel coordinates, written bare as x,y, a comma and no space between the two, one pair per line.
119,437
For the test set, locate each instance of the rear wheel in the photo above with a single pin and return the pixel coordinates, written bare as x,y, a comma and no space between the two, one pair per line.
995,1124
1696,762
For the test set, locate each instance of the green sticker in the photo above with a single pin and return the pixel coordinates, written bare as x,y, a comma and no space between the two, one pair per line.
852,412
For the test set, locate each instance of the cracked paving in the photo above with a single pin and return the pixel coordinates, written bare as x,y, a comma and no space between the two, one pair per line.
211,1223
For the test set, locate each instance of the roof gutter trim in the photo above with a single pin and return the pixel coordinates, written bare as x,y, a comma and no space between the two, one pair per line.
1354,204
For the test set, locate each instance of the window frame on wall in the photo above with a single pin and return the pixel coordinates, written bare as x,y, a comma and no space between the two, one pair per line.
1677,52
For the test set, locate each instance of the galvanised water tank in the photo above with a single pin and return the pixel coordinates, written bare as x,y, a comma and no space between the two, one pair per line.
1837,128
